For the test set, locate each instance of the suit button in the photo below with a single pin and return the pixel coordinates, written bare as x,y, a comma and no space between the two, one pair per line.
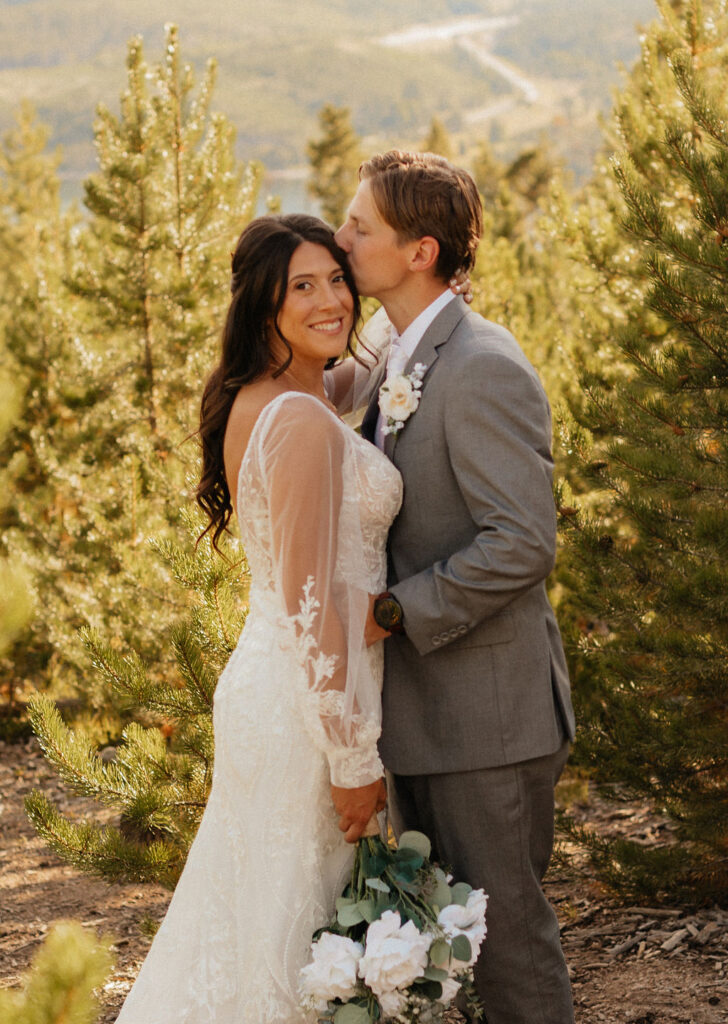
453,633
436,641
462,630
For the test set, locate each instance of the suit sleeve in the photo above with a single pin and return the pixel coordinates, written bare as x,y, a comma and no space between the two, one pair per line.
498,434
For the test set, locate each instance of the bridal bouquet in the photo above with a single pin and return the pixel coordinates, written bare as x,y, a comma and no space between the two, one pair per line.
402,944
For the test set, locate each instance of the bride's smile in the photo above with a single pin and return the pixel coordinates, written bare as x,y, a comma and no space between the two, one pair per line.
317,313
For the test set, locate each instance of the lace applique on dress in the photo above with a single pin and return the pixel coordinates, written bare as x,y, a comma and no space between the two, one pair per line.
296,707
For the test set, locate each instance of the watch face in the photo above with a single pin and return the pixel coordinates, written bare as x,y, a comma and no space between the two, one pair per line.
387,612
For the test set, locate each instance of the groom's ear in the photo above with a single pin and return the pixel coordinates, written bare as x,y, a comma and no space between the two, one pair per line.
424,254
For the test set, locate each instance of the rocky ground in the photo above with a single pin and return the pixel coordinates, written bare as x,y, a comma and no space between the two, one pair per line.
629,965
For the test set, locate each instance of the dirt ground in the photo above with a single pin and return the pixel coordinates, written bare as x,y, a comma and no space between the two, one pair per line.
629,965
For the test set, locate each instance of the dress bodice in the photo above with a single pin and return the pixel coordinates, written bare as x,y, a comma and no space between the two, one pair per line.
315,503
370,499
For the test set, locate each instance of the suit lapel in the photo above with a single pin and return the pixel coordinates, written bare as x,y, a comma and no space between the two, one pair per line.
369,422
436,335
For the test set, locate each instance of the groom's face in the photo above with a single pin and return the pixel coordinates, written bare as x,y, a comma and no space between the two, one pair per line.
378,260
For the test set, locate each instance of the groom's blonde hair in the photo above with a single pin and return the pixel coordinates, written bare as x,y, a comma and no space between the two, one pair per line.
421,194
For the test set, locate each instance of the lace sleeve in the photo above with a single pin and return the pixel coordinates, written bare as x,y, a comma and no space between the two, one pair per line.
308,473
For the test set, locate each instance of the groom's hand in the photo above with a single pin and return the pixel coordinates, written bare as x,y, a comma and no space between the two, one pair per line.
356,807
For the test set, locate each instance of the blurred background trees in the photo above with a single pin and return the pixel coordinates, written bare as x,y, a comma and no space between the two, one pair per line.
61,987
617,292
113,323
334,159
647,556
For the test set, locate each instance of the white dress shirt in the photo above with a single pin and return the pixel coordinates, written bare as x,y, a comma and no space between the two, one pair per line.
403,347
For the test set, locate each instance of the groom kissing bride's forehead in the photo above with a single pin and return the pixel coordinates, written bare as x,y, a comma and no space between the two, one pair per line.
477,715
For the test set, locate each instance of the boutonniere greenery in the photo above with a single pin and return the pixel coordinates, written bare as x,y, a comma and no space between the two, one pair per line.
399,397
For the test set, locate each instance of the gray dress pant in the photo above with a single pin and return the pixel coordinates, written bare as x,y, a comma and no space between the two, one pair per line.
494,828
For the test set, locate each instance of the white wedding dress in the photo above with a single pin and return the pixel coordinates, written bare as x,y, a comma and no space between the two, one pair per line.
297,707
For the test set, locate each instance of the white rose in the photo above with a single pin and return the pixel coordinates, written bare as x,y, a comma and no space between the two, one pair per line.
398,399
450,989
395,955
332,973
468,921
392,1003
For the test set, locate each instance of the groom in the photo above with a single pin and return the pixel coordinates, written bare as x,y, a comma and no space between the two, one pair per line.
477,715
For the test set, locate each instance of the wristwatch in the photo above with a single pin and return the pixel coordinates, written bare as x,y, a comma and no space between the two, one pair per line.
388,613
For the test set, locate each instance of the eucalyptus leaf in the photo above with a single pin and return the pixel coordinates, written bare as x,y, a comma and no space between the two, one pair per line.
344,901
441,896
368,910
435,974
461,948
410,858
431,989
440,953
417,841
405,874
378,884
384,903
409,915
350,1013
349,916
372,864
460,892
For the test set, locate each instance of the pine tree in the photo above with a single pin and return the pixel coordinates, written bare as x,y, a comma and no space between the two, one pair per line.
650,559
60,988
437,140
334,158
148,283
158,778
167,202
488,172
524,270
37,355
15,601
513,192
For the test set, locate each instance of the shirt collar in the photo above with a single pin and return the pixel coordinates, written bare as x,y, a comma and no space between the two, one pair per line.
412,335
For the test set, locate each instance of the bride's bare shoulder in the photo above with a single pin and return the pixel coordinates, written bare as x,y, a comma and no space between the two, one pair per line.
247,407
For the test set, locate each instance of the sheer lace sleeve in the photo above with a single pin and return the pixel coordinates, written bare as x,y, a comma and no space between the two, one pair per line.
309,476
349,384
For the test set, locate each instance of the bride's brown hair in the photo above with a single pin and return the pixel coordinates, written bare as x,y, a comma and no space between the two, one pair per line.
259,283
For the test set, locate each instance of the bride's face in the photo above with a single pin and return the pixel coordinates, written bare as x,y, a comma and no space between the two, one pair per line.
318,310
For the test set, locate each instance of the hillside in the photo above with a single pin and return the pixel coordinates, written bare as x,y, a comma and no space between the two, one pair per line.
508,70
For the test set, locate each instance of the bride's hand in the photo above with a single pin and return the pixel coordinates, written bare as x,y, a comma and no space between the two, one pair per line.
356,807
461,284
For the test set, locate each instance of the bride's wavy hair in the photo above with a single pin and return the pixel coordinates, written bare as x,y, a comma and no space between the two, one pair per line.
259,284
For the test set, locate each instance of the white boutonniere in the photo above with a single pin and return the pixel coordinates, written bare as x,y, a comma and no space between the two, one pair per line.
399,397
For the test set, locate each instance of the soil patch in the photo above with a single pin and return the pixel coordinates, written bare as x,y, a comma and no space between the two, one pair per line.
629,965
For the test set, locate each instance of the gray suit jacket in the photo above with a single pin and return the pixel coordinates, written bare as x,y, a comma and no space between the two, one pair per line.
480,678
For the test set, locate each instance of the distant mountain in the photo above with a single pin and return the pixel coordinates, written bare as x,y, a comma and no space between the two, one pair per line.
508,70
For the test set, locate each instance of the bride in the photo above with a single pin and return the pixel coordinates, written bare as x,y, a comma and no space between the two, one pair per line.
297,709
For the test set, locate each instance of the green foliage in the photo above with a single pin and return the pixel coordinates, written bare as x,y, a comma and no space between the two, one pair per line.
115,325
523,274
647,558
437,140
15,601
159,776
59,989
34,355
405,881
334,160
